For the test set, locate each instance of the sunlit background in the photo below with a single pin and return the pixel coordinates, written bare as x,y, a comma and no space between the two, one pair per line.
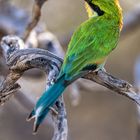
101,114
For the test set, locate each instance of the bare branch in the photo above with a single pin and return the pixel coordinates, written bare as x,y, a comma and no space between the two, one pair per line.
36,14
21,60
119,86
60,121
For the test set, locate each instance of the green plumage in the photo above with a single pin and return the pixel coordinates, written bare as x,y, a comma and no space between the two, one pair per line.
91,42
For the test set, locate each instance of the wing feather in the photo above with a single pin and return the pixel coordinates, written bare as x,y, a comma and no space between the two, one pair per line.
88,45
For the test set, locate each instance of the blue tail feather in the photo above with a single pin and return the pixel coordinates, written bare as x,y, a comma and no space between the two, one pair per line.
47,100
38,120
31,116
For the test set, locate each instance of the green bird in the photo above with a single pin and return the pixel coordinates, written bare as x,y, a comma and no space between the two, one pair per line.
87,51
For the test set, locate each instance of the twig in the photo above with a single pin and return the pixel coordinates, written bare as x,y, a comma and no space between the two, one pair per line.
36,14
60,121
119,86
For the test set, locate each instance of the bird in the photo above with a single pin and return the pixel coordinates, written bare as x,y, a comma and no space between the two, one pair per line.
88,49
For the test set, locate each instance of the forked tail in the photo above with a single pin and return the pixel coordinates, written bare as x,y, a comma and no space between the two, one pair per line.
46,101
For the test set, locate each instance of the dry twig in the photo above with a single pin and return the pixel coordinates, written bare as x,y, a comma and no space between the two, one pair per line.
119,86
36,14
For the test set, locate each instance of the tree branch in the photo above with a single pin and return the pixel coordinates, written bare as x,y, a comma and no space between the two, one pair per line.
20,60
36,14
119,86
60,121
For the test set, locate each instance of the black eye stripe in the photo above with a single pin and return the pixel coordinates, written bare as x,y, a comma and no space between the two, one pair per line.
95,8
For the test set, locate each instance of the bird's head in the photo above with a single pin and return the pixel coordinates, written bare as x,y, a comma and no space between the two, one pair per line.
101,7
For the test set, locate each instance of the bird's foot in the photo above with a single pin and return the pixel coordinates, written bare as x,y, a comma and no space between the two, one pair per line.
54,111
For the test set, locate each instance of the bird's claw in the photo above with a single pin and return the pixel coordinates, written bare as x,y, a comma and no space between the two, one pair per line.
54,111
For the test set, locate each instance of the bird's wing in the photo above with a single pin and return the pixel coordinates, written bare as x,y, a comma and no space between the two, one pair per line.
90,44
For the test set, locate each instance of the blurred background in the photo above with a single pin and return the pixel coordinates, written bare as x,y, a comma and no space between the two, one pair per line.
101,113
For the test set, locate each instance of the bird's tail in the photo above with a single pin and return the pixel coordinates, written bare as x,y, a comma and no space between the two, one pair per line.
46,101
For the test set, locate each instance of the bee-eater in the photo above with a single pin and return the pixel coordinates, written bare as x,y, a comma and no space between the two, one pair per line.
87,51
